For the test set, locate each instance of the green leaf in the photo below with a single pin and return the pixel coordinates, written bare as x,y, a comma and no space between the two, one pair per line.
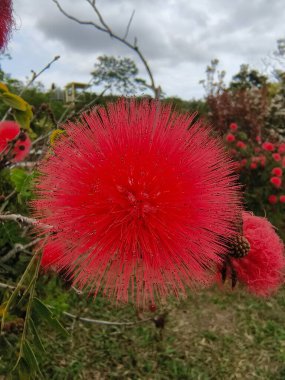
44,312
22,182
37,340
30,357
14,101
3,88
24,117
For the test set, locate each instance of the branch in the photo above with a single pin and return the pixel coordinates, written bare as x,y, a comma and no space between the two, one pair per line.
106,29
101,322
17,248
129,24
17,218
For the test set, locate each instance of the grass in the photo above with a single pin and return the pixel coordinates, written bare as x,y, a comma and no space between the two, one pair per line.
214,334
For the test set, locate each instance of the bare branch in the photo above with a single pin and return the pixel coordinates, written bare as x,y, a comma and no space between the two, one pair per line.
101,322
106,29
17,218
129,24
18,248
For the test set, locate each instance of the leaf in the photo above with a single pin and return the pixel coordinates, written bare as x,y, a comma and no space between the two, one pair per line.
24,117
22,182
30,357
14,101
3,88
44,312
37,340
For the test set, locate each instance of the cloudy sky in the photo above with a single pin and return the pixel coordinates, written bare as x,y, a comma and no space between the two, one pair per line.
178,37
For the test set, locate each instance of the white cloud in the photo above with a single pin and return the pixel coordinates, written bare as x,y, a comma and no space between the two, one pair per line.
179,38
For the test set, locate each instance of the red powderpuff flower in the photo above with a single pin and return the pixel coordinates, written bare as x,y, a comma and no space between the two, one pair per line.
262,269
143,204
9,130
230,137
6,22
276,181
277,172
281,148
272,199
282,198
276,156
241,145
233,127
51,253
22,148
268,146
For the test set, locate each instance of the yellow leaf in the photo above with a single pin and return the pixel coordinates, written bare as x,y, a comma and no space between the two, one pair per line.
14,101
3,87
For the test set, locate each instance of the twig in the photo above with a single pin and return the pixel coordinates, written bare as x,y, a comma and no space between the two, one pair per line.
106,29
101,322
6,286
18,248
17,218
129,24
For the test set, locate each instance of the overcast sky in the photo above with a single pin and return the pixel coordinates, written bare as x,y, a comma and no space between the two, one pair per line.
178,37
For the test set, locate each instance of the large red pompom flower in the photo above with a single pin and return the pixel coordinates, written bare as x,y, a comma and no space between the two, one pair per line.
262,269
6,21
142,204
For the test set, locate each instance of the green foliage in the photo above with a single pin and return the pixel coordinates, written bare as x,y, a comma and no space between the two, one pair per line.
22,182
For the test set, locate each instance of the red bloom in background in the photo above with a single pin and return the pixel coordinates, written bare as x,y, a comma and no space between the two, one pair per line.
9,130
253,165
22,148
262,269
233,127
282,198
241,145
276,181
276,156
230,137
272,199
6,21
268,146
144,203
281,148
277,172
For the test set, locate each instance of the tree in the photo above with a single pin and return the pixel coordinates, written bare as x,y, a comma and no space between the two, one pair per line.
118,74
247,78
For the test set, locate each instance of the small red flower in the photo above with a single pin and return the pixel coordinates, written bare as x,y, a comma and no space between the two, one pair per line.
241,145
276,156
233,127
262,160
262,269
141,202
281,148
268,146
277,172
282,198
9,130
257,149
21,148
272,199
253,165
230,137
276,181
6,22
